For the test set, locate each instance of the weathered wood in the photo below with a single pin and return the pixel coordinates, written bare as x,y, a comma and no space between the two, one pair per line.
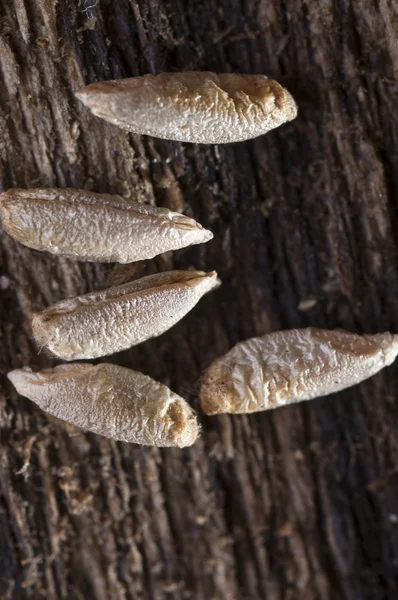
296,503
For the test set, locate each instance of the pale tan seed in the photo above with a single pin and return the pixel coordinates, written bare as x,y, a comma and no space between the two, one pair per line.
291,366
201,107
101,323
112,401
84,225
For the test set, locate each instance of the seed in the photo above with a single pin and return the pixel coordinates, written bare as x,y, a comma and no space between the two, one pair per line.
199,107
290,366
100,323
112,401
84,225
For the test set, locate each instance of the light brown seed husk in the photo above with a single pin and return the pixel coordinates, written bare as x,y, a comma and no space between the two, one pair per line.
101,323
88,226
112,401
290,366
194,106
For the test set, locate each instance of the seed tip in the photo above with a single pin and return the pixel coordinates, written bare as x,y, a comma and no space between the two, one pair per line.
21,378
81,94
186,223
185,425
85,96
213,405
214,277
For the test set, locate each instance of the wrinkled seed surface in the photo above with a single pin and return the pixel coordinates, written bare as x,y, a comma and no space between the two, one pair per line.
194,106
87,226
101,323
290,366
112,401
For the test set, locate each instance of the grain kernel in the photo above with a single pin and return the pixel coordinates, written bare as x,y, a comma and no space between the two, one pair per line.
101,323
84,225
200,107
290,366
112,401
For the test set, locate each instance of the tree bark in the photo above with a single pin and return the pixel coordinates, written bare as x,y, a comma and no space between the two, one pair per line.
297,503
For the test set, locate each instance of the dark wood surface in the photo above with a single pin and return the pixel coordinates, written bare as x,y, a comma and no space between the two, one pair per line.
299,503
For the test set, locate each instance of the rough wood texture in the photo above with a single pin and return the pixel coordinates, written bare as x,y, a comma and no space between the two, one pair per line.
296,503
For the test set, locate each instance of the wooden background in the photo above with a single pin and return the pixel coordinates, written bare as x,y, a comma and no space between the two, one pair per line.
299,503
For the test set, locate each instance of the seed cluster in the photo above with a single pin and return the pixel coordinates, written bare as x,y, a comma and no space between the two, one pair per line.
257,374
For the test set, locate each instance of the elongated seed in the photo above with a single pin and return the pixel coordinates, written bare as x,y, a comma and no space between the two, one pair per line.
84,225
290,366
200,107
112,401
114,319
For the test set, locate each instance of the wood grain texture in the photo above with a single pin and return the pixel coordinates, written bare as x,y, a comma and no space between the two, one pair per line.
296,503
